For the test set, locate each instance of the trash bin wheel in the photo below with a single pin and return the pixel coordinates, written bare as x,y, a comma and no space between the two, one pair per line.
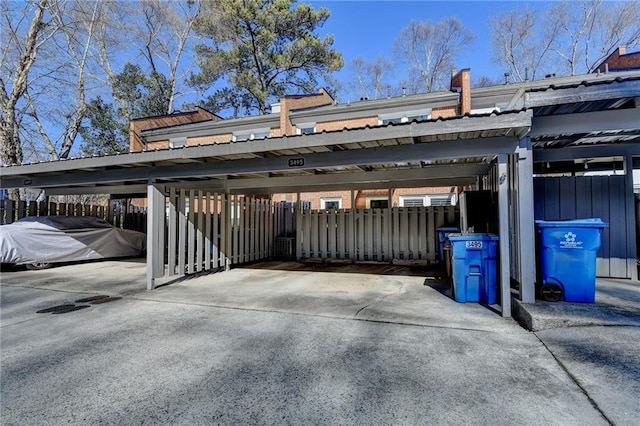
551,292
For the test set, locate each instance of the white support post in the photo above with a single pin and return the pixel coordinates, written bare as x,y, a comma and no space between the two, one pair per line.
352,255
387,224
526,227
173,197
228,235
503,208
299,233
155,234
632,265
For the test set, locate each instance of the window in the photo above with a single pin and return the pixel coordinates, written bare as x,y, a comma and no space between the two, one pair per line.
440,200
405,116
331,203
377,202
178,142
427,200
245,135
306,128
413,201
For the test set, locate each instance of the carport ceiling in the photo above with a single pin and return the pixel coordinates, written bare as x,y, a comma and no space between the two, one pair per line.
439,152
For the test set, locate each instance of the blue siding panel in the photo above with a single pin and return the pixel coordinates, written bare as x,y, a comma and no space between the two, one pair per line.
565,198
617,228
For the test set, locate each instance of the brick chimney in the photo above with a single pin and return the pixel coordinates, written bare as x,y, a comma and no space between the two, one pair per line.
461,81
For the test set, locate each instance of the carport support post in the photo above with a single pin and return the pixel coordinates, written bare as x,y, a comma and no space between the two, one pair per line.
388,224
526,231
503,208
632,265
299,234
155,234
352,217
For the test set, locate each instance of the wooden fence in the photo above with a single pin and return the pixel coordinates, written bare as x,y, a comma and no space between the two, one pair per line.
208,231
116,214
381,235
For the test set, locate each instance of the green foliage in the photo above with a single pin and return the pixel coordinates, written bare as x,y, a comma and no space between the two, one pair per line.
137,95
106,133
264,49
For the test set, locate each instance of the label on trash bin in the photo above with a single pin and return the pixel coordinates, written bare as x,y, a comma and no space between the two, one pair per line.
570,241
473,244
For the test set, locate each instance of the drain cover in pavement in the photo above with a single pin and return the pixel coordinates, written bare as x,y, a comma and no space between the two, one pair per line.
105,300
92,298
70,309
62,309
54,309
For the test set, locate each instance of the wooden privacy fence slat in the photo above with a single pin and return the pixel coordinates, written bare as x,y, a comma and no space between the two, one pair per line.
211,231
118,215
383,235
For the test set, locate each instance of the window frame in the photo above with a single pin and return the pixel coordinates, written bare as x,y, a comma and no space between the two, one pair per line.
324,200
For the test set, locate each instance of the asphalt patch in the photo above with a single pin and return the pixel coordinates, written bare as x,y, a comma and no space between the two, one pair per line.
105,300
92,299
54,309
70,309
62,309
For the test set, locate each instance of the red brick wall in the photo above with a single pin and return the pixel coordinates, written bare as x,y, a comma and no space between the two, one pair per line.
138,125
362,196
462,81
621,59
347,124
210,139
444,112
289,103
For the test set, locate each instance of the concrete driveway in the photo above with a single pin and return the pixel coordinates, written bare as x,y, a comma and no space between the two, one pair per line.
304,345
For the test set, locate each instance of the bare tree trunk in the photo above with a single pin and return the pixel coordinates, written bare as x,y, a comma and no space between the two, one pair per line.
10,136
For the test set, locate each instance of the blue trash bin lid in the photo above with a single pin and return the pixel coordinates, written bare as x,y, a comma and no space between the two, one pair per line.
576,223
473,237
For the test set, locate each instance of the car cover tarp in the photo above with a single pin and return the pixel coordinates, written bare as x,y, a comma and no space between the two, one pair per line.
64,239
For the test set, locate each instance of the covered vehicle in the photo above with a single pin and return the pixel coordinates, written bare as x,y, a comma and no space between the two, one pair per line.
37,241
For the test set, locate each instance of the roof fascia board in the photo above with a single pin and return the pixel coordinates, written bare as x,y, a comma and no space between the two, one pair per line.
555,82
557,96
464,124
462,148
586,122
111,189
574,153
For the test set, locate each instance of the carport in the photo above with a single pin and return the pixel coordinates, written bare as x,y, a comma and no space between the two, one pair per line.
544,123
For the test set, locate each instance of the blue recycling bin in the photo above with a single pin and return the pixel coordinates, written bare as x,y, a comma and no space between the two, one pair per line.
568,256
474,260
443,235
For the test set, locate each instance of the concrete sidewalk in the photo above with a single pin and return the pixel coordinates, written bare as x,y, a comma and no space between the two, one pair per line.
617,304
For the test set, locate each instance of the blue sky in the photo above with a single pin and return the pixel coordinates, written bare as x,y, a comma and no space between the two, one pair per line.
368,27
